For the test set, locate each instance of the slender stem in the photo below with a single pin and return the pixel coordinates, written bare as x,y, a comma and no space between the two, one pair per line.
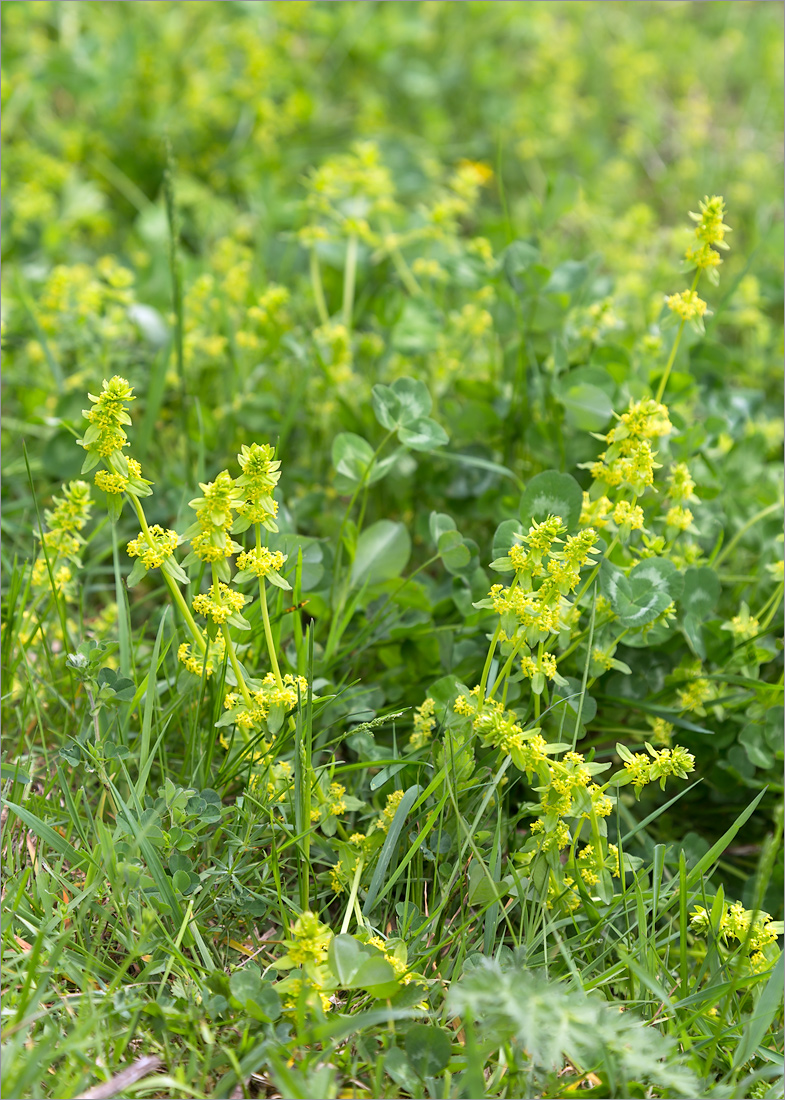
177,595
349,506
492,647
318,291
349,274
505,670
775,606
743,531
268,633
675,348
596,569
399,263
352,897
238,672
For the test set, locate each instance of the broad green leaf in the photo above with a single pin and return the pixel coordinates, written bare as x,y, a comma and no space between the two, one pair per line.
438,523
505,537
428,1049
345,956
701,591
399,405
552,494
423,435
453,551
351,455
587,407
382,552
639,597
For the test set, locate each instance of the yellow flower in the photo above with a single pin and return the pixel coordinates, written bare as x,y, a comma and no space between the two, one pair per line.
424,723
105,434
219,606
686,305
261,562
154,546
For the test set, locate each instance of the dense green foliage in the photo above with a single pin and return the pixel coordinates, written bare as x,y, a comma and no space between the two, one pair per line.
391,639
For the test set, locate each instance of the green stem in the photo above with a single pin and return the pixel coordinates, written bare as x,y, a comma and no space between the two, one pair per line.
238,672
675,348
743,531
318,290
177,595
349,275
399,263
596,569
352,897
350,505
492,647
268,633
775,601
505,670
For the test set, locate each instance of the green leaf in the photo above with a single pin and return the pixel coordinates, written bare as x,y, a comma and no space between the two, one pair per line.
181,881
428,1049
639,597
397,406
12,772
752,737
49,836
382,552
505,537
400,1069
701,591
351,455
453,551
552,494
763,1016
423,435
345,956
136,574
390,841
377,976
257,997
587,408
438,523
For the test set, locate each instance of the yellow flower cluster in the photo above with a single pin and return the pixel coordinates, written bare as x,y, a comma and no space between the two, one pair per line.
710,231
261,562
260,474
311,940
335,800
681,487
641,769
628,463
544,663
62,539
686,305
197,663
105,434
756,931
384,821
267,697
215,509
537,611
153,546
499,728
424,724
628,517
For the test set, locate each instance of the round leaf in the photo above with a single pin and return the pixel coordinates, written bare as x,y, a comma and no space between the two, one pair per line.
428,1049
701,591
587,407
423,435
639,597
552,494
382,552
351,455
